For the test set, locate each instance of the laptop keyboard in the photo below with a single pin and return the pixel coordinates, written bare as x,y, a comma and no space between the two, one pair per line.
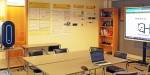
101,62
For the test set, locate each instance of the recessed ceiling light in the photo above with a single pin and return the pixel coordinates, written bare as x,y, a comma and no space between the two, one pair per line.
16,2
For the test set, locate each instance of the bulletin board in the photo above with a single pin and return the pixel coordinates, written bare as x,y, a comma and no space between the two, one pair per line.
38,22
39,17
62,23
60,14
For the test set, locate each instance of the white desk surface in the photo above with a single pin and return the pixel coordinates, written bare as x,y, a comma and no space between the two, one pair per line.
134,57
67,67
66,63
73,66
53,58
39,45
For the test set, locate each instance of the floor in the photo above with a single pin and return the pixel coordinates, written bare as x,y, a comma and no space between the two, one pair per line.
98,71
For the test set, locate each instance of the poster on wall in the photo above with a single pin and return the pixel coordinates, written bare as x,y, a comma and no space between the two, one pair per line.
78,15
33,25
39,19
44,18
34,13
90,14
61,21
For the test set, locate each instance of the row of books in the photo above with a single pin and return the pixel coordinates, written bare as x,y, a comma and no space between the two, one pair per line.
106,32
106,41
106,14
108,23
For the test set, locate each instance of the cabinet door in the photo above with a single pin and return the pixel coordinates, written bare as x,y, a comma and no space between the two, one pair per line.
16,14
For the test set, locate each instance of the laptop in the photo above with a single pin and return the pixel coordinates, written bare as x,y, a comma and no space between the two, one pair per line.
97,56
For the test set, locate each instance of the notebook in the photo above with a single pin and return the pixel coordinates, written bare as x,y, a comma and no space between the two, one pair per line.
97,56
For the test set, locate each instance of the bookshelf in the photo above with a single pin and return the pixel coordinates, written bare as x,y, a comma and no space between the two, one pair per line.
108,29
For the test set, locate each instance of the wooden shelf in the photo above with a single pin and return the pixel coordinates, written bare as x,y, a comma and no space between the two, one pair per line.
105,36
106,45
105,17
108,29
106,26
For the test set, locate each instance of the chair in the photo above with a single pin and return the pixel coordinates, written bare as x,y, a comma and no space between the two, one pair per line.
85,70
60,50
126,73
35,53
113,68
51,48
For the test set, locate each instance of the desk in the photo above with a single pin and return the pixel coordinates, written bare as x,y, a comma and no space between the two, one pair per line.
66,63
26,47
73,66
53,58
134,57
15,58
13,63
67,67
38,45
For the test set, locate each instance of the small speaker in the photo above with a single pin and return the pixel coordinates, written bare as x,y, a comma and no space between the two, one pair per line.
8,34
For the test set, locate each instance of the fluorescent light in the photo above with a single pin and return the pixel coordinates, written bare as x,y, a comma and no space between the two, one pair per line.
16,2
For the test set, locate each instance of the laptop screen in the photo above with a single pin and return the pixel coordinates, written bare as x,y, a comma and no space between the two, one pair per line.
97,55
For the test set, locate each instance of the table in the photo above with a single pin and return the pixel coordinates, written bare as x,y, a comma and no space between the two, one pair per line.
13,63
53,58
66,63
39,45
26,47
73,66
134,57
13,57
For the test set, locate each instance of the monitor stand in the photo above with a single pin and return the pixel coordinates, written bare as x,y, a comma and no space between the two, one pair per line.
143,61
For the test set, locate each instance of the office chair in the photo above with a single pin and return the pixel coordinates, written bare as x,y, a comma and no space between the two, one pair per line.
126,73
61,50
113,68
35,53
51,48
85,70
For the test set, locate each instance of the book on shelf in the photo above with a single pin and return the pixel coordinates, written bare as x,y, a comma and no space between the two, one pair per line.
107,22
106,13
106,41
106,32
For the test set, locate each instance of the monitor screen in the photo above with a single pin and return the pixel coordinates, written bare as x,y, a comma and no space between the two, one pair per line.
97,55
137,23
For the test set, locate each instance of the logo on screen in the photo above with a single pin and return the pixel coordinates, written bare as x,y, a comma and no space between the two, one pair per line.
142,28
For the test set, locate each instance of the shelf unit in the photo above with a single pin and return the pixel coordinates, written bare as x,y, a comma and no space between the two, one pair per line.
108,29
